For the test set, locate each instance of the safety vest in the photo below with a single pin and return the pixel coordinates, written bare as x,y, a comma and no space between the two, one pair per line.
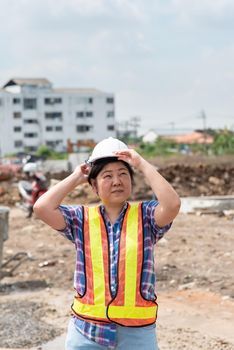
128,307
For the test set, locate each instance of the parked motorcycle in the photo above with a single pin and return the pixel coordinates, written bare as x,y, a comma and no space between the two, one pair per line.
32,188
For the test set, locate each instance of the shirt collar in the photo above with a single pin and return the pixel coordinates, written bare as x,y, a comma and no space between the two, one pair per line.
103,210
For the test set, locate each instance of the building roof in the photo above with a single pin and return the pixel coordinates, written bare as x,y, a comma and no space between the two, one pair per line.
194,137
78,90
150,136
28,81
46,83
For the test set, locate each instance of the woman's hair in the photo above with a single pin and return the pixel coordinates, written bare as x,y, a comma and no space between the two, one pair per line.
99,164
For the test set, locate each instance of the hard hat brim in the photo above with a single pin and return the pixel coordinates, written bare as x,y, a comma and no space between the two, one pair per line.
94,159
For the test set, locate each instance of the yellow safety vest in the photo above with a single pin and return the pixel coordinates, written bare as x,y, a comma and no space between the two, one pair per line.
128,307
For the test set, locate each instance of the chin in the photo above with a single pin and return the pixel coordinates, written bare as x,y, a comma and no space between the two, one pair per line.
116,201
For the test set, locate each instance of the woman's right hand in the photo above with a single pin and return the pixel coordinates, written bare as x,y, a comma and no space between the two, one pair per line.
47,206
82,172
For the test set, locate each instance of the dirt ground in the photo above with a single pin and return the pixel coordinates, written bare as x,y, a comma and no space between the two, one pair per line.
195,264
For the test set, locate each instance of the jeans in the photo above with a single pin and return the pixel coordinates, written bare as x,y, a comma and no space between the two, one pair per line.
128,339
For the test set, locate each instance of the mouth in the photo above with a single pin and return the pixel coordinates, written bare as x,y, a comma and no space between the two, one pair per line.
117,191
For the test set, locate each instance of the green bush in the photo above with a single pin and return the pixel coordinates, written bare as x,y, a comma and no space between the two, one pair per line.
48,153
160,147
223,143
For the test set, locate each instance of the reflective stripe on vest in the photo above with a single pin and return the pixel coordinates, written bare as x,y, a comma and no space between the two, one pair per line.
128,307
93,304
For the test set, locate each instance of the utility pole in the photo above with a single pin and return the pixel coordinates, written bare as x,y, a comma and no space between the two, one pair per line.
172,127
123,129
203,117
135,124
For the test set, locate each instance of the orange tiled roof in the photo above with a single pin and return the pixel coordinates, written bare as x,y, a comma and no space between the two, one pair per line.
194,137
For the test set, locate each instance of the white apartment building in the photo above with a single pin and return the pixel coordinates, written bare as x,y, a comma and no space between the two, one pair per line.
33,113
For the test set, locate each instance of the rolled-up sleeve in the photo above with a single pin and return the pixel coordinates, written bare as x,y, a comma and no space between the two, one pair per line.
73,218
157,232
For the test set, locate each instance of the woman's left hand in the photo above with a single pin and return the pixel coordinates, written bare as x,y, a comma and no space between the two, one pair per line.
169,201
130,156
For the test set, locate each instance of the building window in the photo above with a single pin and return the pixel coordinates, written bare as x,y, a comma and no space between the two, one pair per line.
52,100
110,114
51,144
18,143
109,100
17,128
49,128
110,127
31,148
83,100
30,121
59,128
16,101
80,114
30,103
54,115
84,128
17,115
30,135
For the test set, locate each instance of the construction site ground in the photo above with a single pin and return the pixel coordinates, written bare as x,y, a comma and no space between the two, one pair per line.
195,282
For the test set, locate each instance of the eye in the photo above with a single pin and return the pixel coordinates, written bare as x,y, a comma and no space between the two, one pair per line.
107,176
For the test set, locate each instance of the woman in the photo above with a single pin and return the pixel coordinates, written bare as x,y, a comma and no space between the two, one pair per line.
115,306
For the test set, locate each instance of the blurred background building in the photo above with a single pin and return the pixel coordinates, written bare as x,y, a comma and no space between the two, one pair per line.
33,113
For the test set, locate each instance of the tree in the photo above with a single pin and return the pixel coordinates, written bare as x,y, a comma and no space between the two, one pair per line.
44,151
223,143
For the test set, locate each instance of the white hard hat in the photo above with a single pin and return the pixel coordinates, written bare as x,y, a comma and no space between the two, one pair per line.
30,168
105,149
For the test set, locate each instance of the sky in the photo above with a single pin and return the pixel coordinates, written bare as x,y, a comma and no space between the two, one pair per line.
168,62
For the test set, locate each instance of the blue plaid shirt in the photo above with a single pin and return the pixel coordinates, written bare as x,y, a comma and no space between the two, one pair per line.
106,335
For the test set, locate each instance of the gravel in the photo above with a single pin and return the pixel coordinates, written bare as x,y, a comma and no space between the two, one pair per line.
181,339
22,325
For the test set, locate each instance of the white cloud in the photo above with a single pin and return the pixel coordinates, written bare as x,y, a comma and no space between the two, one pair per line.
81,7
188,11
202,6
56,8
160,57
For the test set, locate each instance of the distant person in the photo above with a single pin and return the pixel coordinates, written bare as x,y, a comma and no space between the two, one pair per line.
115,303
35,185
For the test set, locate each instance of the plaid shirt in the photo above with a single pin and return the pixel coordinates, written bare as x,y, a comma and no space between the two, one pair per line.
106,335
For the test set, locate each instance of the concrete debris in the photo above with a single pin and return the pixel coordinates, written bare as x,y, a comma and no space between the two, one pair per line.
207,205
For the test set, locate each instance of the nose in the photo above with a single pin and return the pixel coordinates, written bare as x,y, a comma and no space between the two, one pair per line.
116,180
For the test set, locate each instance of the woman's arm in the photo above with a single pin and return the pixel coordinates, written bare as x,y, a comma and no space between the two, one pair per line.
46,207
169,201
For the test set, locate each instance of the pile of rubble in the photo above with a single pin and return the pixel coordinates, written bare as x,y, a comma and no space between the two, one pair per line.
201,179
9,171
188,180
9,194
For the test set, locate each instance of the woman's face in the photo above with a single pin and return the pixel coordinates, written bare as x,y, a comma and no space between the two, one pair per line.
113,184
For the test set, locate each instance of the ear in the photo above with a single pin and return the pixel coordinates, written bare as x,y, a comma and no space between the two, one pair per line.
94,186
